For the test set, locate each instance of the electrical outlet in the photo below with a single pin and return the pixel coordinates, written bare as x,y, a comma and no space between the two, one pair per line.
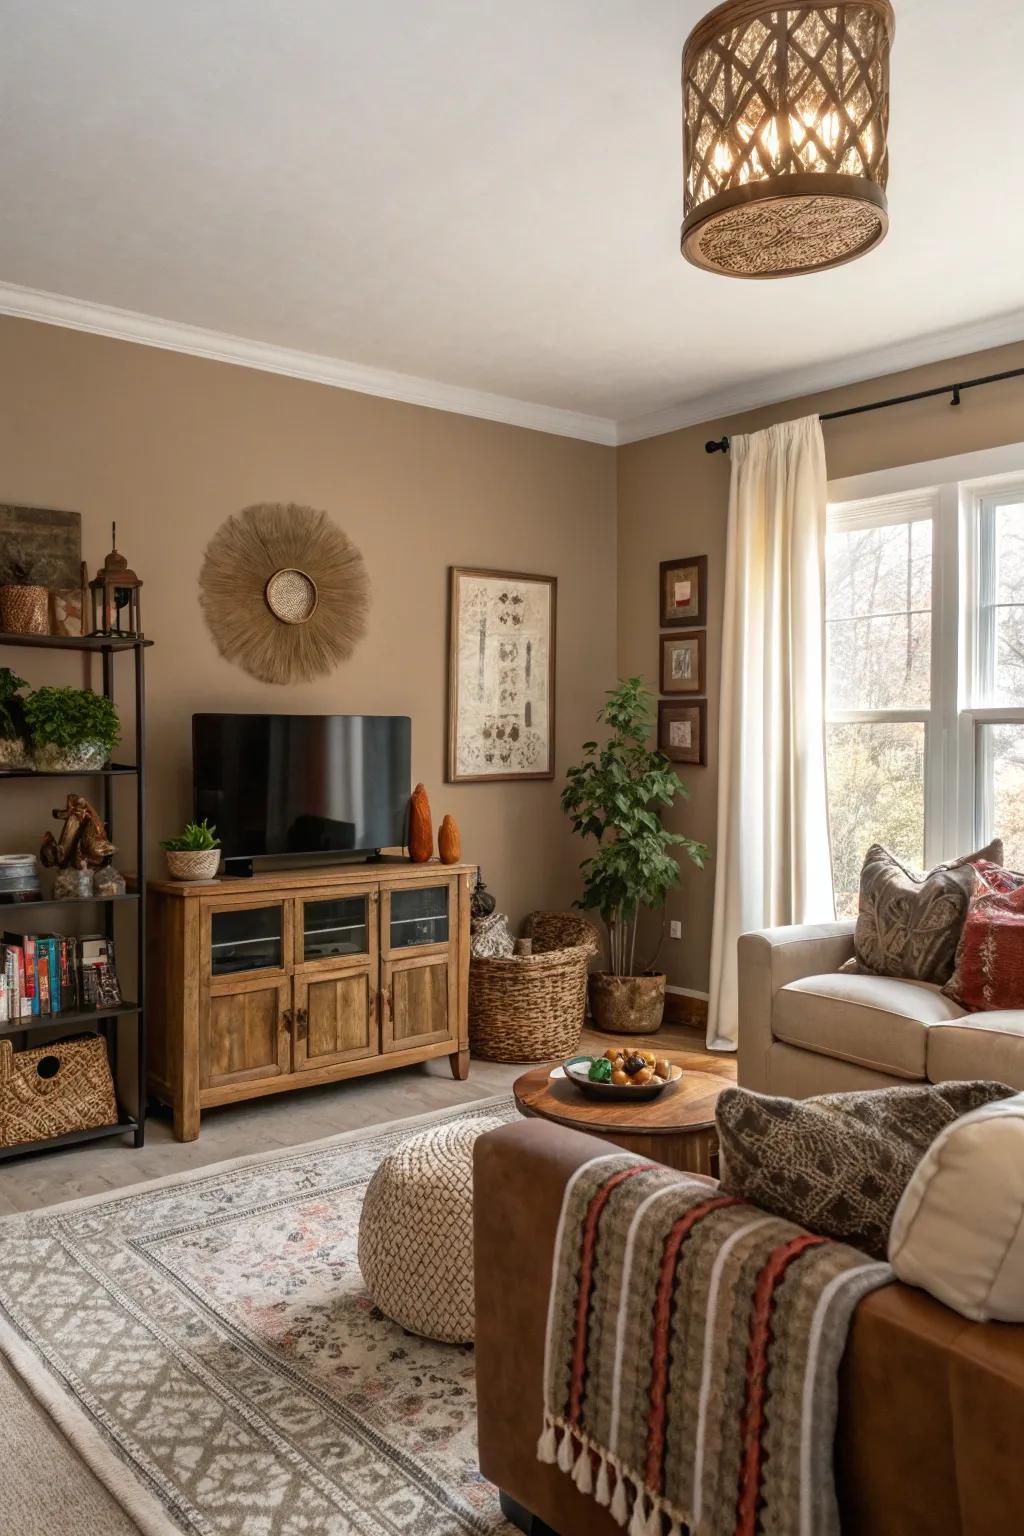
675,929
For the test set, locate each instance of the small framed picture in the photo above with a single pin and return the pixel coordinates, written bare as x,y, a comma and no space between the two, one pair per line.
683,591
682,731
682,662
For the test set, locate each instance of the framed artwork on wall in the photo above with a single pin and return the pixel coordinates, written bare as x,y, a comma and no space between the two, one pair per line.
501,676
683,592
682,731
682,662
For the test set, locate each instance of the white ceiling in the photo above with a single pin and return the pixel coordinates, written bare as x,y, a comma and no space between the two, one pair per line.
482,193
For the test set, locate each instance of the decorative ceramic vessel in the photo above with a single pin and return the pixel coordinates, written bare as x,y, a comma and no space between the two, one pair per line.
192,863
25,610
626,1005
421,827
85,758
449,842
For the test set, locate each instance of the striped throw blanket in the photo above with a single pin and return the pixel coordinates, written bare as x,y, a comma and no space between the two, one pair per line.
693,1347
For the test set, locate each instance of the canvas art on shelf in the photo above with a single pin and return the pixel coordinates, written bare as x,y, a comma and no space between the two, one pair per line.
501,684
683,591
682,662
682,731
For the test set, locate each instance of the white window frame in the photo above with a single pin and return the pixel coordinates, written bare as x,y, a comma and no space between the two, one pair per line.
979,501
889,512
959,495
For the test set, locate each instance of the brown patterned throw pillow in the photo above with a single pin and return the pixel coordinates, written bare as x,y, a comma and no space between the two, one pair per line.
909,923
837,1164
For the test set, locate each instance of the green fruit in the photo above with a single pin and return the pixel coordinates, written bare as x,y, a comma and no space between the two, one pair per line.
600,1070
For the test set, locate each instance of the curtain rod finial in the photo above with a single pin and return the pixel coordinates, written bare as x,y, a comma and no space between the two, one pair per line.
717,445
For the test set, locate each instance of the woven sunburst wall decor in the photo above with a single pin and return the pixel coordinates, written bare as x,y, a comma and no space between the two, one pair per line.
284,591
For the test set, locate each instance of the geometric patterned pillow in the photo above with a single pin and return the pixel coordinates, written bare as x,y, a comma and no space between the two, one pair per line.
909,923
989,969
837,1164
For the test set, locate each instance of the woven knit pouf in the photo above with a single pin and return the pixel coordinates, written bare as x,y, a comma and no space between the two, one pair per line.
416,1232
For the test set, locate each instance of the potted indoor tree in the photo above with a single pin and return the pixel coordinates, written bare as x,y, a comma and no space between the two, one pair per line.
71,729
616,796
195,855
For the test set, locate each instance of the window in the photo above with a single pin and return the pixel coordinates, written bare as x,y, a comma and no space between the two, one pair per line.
925,666
879,667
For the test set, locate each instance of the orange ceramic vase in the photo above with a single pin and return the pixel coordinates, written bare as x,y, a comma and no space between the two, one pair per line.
449,843
421,828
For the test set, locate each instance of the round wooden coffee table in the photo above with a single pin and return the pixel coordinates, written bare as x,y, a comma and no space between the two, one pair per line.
677,1128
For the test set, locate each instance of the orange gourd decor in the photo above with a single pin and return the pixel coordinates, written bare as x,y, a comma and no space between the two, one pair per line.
421,828
449,842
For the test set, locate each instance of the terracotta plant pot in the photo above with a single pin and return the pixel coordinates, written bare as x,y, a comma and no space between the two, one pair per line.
192,863
25,610
626,1005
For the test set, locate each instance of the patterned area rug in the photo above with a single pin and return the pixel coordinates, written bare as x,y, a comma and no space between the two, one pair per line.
206,1343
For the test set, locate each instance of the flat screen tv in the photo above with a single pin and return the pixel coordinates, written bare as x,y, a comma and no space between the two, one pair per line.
302,784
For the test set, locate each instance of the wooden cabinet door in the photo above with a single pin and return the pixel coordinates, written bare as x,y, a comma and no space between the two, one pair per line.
335,1017
244,1032
245,937
419,1001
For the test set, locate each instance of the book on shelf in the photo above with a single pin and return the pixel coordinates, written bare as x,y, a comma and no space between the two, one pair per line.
47,974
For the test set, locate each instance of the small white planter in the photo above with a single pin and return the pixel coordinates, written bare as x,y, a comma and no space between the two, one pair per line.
85,758
193,864
14,753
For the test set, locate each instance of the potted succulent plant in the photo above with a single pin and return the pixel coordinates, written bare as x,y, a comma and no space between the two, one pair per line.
14,751
616,796
71,729
24,601
195,855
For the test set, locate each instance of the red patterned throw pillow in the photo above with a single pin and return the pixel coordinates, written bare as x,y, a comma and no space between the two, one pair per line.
989,969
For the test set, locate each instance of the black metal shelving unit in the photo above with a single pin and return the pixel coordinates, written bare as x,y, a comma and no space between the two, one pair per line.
108,1020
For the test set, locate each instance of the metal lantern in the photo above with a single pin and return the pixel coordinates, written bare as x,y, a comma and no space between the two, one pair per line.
116,607
785,115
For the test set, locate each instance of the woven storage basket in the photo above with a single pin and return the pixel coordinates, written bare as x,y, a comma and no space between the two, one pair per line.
531,1007
52,1089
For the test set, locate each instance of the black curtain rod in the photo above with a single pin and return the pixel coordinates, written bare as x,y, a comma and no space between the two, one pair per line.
721,444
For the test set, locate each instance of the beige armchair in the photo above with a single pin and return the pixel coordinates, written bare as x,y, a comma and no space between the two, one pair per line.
806,1027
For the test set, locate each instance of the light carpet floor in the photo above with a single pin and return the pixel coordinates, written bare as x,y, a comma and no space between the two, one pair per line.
207,1344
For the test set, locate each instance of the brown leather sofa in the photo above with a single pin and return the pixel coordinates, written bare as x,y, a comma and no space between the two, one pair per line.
931,1423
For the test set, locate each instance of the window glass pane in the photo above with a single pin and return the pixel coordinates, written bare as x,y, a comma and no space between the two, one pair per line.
878,616
1001,763
875,795
1008,682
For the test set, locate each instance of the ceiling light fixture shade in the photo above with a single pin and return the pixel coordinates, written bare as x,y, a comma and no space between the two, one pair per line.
785,117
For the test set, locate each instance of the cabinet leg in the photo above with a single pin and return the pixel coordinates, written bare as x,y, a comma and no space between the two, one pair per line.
186,1122
460,1064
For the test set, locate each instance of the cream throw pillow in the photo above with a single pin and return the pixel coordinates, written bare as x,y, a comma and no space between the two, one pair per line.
958,1231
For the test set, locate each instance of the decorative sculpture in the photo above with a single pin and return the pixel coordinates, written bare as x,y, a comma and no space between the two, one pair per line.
83,840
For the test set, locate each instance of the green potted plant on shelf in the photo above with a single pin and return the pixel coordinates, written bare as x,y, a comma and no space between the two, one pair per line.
616,796
71,729
14,751
195,855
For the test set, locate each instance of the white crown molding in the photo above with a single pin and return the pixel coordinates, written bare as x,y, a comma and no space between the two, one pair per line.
957,341
174,336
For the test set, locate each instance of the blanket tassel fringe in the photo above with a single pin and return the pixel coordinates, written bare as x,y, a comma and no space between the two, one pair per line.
631,1504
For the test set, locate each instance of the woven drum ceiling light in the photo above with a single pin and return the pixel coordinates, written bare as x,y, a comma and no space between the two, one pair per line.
785,114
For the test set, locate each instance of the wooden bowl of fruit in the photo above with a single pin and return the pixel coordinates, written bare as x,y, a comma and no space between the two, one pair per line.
623,1072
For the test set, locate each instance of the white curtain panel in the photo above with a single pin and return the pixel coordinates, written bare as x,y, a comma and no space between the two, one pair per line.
772,857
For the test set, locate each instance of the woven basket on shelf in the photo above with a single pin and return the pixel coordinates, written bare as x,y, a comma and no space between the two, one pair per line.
531,1007
53,1089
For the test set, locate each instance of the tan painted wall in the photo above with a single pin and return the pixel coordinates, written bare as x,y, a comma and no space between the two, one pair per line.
672,501
170,445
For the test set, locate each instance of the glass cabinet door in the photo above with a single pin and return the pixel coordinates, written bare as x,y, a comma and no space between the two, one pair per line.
247,939
335,928
419,916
